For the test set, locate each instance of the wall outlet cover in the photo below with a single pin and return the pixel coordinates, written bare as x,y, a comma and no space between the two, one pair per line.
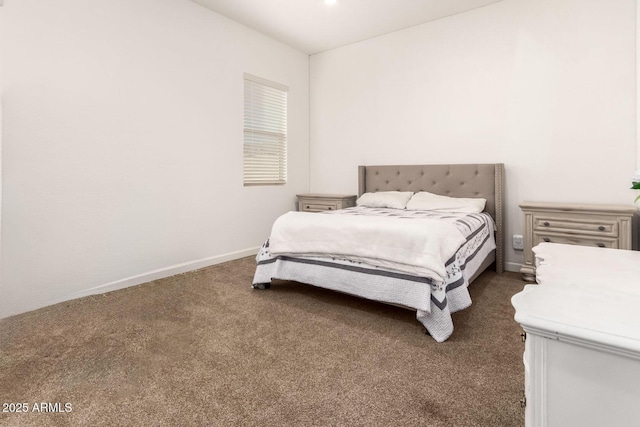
518,242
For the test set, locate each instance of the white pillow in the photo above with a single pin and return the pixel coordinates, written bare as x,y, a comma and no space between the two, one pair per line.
385,199
424,201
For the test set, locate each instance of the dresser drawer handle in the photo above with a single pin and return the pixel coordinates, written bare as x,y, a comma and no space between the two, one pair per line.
546,239
308,206
601,228
329,208
546,223
601,245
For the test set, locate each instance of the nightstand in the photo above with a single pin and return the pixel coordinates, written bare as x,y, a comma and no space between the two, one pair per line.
324,202
604,226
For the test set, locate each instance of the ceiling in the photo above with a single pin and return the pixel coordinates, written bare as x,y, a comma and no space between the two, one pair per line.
312,26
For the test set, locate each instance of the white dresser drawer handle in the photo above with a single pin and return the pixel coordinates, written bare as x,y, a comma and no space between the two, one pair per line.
601,228
601,245
546,223
546,239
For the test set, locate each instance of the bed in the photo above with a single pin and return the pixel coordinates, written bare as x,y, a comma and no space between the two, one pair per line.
434,293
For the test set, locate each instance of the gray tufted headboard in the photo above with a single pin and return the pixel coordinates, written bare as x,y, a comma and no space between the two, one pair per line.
462,180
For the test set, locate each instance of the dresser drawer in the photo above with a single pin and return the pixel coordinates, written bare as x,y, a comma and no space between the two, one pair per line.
575,240
585,225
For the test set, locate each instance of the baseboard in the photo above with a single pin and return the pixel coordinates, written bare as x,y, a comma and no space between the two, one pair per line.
165,272
139,279
512,266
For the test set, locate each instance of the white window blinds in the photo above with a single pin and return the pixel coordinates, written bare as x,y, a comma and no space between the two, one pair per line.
265,132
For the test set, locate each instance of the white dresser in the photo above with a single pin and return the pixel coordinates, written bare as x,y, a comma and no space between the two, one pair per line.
582,347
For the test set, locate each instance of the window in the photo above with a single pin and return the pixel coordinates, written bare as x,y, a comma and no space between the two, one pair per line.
265,132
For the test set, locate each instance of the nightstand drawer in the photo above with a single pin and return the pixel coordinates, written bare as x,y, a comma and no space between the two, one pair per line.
576,225
319,207
575,240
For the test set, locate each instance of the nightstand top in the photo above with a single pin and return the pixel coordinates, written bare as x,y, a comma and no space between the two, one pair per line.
628,209
331,196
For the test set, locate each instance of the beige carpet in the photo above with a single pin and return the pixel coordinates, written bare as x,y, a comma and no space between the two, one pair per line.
204,349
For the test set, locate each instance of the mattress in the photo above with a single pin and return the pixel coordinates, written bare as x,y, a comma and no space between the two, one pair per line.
434,300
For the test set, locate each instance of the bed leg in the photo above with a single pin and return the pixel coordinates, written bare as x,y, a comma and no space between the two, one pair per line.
261,286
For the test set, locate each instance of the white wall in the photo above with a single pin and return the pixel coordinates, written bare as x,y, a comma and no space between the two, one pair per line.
545,86
122,141
123,144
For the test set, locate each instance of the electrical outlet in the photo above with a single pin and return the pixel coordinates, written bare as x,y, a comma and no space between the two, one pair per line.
518,242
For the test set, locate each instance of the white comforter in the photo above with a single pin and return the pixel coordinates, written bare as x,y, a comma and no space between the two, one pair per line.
416,246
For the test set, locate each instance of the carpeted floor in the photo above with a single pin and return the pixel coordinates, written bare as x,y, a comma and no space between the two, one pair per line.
205,349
